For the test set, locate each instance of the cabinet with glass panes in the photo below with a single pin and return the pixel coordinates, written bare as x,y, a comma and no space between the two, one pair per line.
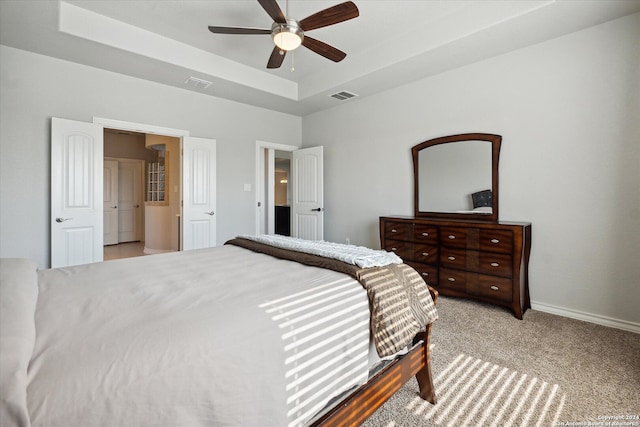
156,182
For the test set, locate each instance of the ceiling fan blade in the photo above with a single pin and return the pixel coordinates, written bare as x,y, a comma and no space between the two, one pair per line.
321,48
332,15
277,58
238,30
274,11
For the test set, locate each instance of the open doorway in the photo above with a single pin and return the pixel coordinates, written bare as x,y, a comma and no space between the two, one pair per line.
268,181
282,192
141,194
77,202
304,186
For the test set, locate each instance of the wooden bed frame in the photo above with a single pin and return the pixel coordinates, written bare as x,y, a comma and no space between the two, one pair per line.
359,405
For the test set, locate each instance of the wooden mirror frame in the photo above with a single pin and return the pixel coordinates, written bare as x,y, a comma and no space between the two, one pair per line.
495,140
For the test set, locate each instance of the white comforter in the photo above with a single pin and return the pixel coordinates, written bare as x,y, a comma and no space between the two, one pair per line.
355,255
215,337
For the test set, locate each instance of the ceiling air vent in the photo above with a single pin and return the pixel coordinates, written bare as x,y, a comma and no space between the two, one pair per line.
197,83
343,95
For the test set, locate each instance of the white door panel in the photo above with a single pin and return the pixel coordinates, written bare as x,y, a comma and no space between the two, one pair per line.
199,193
76,193
308,197
130,200
110,202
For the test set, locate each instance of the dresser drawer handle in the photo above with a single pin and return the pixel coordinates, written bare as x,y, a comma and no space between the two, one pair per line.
495,288
425,253
425,234
394,249
425,274
393,230
495,264
451,279
451,236
451,258
495,241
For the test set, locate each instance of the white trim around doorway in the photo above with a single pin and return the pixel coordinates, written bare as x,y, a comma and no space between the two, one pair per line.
139,127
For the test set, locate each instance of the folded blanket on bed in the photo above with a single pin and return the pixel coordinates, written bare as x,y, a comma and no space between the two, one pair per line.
401,305
356,255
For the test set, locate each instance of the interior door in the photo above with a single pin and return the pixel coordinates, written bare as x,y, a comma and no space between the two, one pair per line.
110,202
307,209
76,192
130,200
199,193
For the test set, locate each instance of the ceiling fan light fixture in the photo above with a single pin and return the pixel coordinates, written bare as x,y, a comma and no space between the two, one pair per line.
287,36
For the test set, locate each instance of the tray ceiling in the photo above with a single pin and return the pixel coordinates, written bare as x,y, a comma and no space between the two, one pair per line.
390,44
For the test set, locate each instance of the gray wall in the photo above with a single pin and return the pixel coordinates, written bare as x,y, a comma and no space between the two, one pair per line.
34,88
568,111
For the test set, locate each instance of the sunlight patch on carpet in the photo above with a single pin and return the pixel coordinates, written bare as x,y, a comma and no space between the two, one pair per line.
473,392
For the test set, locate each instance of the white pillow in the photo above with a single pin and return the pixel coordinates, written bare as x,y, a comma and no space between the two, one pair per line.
484,209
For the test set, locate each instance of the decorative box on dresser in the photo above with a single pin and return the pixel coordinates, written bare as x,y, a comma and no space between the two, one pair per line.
487,261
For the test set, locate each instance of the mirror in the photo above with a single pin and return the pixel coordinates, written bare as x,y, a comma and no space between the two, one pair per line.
457,177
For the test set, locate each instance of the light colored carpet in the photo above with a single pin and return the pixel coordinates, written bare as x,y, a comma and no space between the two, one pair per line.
491,369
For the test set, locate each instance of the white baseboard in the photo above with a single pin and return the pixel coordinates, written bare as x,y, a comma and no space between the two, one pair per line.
587,317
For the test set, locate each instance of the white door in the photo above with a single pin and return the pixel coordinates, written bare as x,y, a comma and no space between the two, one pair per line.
199,193
130,200
110,202
76,192
307,209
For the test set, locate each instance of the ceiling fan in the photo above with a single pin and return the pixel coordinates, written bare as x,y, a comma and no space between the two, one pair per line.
288,33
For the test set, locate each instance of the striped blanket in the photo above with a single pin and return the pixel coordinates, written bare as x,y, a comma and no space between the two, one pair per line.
399,299
401,305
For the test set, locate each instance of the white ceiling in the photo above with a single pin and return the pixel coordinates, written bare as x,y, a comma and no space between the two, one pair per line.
391,43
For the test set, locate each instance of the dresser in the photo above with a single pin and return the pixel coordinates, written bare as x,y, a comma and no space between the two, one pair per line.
486,261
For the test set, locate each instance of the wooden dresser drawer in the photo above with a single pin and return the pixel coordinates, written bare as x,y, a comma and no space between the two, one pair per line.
496,241
397,230
425,234
403,249
496,264
479,262
428,272
425,253
454,237
452,279
493,287
482,285
456,258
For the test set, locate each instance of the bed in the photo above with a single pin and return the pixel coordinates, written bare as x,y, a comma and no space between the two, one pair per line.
251,333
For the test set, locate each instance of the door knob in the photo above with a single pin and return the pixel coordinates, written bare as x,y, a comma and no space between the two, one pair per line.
114,207
316,210
210,213
62,219
136,206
